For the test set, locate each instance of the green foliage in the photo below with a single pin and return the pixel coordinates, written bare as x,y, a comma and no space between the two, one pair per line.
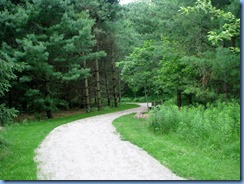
170,101
161,51
229,29
212,128
6,114
53,38
192,54
164,119
183,158
213,75
139,99
225,66
8,65
145,60
3,144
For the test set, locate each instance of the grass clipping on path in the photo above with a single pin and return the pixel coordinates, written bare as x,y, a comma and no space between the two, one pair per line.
18,142
183,159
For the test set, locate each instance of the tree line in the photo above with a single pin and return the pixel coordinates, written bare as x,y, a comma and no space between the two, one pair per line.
62,54
57,55
188,50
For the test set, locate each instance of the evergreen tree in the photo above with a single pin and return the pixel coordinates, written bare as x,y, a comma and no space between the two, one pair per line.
57,42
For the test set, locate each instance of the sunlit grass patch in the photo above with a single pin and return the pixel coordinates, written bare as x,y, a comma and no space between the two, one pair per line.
184,159
18,142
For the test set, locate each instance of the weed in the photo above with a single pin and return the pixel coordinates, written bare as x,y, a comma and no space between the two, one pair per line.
216,127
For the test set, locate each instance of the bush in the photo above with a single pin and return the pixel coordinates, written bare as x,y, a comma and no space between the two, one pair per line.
126,99
6,115
171,101
215,127
164,119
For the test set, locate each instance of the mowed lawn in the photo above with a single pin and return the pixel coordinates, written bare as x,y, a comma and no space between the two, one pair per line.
18,142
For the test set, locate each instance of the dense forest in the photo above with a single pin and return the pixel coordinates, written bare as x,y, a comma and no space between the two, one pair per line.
64,54
91,57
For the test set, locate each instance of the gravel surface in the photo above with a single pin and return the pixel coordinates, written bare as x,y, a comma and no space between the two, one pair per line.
90,149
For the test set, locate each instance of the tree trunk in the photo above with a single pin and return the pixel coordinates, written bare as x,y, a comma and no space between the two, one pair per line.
226,89
119,87
179,99
82,99
24,106
145,91
114,77
98,86
189,99
107,89
87,98
48,100
114,85
134,94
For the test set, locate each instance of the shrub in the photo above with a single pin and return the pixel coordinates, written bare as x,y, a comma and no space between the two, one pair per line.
126,99
215,127
164,119
6,115
171,101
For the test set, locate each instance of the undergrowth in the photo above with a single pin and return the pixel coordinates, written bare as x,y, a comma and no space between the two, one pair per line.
215,127
185,159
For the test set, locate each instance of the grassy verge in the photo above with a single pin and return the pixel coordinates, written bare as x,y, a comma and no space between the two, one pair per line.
18,142
185,160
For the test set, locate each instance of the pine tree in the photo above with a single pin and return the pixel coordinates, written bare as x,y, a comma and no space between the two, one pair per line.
55,48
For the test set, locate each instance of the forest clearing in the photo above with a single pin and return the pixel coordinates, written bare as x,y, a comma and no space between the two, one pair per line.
72,73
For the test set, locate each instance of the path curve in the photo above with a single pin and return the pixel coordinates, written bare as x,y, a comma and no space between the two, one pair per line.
90,149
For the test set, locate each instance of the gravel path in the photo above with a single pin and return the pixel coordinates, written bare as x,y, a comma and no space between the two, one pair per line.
90,149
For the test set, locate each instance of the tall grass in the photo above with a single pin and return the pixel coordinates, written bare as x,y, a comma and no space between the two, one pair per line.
183,158
215,127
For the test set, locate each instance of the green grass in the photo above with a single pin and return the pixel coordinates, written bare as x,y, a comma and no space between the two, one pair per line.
214,128
18,142
185,160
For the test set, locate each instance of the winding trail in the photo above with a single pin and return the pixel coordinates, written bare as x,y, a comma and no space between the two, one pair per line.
90,149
